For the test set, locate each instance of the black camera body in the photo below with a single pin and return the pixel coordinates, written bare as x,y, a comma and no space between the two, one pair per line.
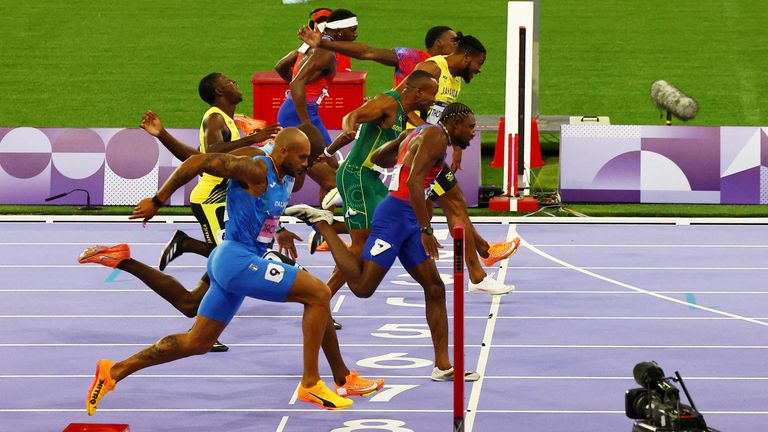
657,405
661,413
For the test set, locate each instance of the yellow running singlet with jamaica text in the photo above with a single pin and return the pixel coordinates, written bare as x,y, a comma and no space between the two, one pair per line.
206,190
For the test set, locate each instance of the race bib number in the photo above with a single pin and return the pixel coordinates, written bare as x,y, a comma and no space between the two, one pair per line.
268,230
435,113
274,273
322,96
394,181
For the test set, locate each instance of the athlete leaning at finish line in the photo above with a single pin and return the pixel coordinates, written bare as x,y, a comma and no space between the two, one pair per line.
445,191
118,256
258,191
401,228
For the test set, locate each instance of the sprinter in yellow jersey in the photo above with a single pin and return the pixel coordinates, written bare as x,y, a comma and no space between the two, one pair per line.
218,134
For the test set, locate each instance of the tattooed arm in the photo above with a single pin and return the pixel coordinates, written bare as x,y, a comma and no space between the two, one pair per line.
248,171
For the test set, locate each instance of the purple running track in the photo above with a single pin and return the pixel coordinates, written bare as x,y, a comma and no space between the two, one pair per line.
556,355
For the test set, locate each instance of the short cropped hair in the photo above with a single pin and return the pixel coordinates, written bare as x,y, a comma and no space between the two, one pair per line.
207,87
340,14
416,76
433,34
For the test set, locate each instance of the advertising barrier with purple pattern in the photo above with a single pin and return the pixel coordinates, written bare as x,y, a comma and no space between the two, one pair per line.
664,164
122,166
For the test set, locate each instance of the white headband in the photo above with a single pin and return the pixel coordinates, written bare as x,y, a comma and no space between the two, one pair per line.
321,27
342,24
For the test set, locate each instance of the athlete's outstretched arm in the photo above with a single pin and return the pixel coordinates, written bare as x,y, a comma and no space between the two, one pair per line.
214,127
386,155
356,50
241,168
154,126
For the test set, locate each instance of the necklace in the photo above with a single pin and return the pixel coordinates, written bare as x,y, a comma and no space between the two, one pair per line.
277,172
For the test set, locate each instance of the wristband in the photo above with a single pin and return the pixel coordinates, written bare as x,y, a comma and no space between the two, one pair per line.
156,201
280,227
325,151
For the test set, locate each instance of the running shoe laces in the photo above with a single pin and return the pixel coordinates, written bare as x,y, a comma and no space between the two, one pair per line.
500,251
355,385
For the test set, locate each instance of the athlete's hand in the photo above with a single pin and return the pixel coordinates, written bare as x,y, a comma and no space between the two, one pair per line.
145,210
269,132
431,245
284,239
151,123
347,134
332,161
456,160
310,37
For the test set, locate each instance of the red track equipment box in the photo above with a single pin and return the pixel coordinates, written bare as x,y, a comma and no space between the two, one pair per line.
346,92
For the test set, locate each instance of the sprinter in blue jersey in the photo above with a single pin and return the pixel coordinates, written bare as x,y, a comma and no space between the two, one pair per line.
258,191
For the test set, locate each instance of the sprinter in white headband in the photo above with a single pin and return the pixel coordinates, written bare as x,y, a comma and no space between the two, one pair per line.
341,25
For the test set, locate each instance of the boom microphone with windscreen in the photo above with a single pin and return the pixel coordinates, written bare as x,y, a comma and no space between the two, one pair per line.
676,103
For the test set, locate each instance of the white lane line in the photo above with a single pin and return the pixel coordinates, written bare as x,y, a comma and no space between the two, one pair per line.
295,395
472,317
253,345
293,317
339,301
215,410
390,345
656,246
314,410
203,376
577,346
639,290
396,299
485,350
281,426
399,267
412,377
442,234
626,378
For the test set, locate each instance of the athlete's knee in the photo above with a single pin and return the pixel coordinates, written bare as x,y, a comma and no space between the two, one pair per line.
320,294
434,291
361,290
199,347
189,303
188,306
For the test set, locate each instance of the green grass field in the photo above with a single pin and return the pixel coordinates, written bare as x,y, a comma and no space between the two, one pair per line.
101,64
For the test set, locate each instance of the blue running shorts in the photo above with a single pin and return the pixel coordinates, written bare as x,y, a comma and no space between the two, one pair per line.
237,271
287,117
395,232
